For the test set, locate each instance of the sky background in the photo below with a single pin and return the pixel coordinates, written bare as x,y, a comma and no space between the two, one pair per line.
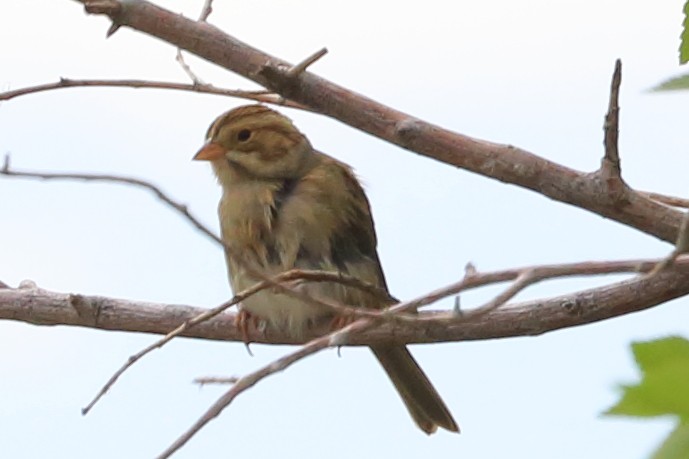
535,74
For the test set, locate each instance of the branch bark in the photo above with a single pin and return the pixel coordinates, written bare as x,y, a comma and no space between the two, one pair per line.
42,307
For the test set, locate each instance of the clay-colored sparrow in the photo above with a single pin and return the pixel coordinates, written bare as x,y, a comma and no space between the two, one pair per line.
285,205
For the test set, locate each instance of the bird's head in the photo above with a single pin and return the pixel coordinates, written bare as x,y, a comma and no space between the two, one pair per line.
256,142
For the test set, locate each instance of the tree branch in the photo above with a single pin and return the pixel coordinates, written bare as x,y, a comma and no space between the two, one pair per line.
501,162
41,307
338,338
257,96
602,192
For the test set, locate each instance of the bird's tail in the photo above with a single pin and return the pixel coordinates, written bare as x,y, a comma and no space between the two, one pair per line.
422,400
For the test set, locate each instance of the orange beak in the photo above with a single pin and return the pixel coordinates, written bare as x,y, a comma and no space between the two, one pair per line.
209,152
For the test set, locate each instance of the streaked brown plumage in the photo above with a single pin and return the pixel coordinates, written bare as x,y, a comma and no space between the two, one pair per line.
285,205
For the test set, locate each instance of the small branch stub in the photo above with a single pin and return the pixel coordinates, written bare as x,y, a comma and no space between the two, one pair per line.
108,7
301,67
111,8
610,166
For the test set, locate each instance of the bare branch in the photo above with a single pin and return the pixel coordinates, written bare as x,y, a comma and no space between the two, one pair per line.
257,96
246,382
203,381
41,307
520,283
181,208
190,73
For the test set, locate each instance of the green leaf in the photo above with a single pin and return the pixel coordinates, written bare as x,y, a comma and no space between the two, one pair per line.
684,42
650,355
680,83
664,386
676,445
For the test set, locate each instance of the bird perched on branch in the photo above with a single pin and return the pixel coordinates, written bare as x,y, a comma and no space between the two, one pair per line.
285,205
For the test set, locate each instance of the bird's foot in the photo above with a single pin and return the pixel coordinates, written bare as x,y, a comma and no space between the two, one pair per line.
341,321
242,321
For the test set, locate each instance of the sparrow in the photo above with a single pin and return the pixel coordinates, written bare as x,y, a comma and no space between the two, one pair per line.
286,206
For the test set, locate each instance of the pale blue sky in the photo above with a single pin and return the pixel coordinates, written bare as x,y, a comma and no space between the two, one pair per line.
530,73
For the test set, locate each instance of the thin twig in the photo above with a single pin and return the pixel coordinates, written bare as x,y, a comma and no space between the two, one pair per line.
190,73
205,380
181,208
257,96
525,279
295,274
301,67
158,344
681,246
246,382
206,10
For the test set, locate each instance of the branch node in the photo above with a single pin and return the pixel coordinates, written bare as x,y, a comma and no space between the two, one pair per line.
301,67
28,284
407,129
470,270
572,307
85,309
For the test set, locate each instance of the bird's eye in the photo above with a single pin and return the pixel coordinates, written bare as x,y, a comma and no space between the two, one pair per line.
243,135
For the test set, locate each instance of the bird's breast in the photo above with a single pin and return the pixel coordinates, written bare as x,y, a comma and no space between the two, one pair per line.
263,238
